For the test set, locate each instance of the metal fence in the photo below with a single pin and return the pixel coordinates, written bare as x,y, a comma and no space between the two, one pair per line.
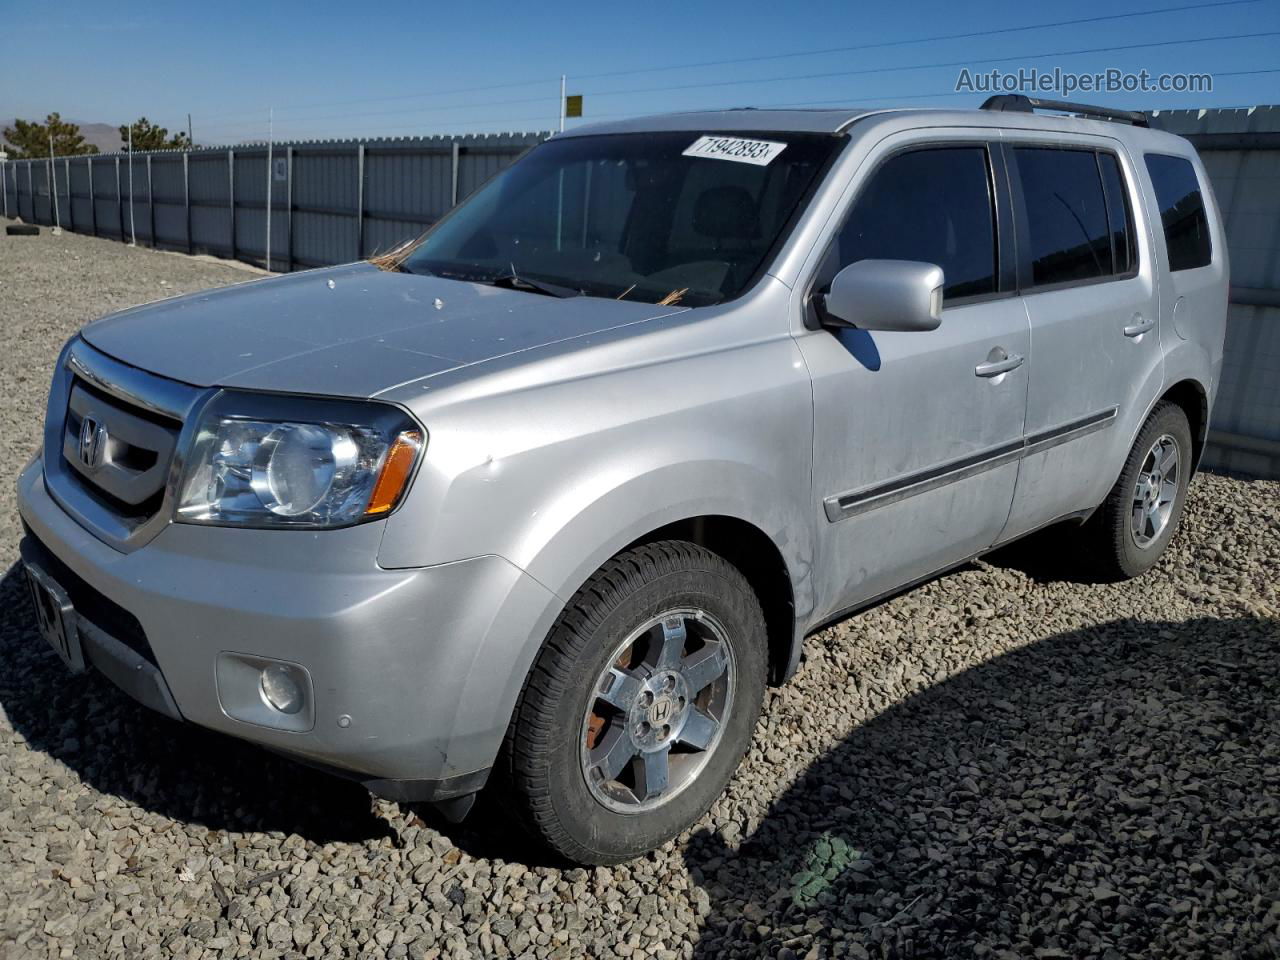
331,202
1241,153
339,201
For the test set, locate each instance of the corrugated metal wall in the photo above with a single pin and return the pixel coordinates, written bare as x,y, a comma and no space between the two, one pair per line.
331,202
1241,153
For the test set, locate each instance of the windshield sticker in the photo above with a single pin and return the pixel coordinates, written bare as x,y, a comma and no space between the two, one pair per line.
758,152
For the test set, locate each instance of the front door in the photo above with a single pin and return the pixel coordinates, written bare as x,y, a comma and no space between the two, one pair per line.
917,435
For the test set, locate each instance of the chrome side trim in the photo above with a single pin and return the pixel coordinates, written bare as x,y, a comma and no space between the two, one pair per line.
842,506
1048,439
846,505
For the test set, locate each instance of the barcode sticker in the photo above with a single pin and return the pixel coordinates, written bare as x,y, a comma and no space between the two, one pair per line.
758,152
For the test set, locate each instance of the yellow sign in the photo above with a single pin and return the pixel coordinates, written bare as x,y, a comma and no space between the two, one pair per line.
573,105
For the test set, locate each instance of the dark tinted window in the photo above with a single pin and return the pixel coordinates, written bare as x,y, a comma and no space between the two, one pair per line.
1066,214
1119,214
1186,228
930,205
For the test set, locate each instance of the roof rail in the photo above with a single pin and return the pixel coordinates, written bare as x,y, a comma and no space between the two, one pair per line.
1017,103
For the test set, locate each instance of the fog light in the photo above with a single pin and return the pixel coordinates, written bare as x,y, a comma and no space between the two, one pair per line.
280,689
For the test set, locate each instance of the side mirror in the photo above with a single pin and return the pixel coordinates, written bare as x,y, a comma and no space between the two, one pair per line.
885,295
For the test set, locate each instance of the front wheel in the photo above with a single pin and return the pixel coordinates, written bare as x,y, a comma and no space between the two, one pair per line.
640,705
1134,525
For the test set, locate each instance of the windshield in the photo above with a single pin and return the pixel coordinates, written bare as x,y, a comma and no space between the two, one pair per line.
659,218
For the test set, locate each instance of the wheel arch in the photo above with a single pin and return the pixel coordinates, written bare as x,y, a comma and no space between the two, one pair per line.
1193,398
757,557
736,510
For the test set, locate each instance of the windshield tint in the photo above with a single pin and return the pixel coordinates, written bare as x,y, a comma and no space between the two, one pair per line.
632,216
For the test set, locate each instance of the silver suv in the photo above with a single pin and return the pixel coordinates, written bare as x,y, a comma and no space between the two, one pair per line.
549,498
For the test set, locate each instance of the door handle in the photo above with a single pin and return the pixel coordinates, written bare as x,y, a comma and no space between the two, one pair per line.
993,368
1139,326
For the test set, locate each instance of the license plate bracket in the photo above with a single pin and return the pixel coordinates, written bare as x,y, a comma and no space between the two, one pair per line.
55,617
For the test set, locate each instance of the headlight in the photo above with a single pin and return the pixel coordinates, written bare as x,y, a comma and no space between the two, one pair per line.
281,461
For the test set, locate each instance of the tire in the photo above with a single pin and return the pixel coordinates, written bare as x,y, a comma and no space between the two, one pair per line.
561,721
22,230
1112,544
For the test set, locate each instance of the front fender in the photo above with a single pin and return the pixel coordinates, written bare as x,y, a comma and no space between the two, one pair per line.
571,539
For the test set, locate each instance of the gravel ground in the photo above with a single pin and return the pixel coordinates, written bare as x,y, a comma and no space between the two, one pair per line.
1007,762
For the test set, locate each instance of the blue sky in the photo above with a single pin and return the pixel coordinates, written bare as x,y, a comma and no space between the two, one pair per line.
392,68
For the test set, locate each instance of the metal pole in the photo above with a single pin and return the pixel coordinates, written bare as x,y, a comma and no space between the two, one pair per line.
93,201
191,138
360,201
53,188
186,194
133,233
231,193
453,191
31,188
71,204
562,88
151,203
270,131
288,214
119,202
4,187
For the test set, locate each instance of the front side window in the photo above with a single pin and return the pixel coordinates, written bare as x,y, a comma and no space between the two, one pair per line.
645,217
932,205
1066,215
1186,227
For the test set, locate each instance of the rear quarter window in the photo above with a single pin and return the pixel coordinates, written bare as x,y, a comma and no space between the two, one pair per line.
1182,213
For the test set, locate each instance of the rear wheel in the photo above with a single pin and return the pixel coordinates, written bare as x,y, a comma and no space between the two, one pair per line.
1134,525
640,705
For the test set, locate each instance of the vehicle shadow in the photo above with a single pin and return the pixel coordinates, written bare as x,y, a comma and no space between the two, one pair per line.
179,770
1051,555
1100,793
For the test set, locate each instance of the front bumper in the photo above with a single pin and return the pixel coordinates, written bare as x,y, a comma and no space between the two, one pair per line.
414,673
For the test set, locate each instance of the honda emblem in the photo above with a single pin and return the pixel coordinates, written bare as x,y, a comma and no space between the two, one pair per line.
93,442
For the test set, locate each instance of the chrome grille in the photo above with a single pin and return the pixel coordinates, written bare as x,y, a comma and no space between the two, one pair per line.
112,435
117,451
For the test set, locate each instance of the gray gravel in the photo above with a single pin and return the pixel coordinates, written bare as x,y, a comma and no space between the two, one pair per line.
1007,762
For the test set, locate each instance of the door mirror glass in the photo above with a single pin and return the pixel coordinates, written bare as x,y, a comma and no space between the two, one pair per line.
885,295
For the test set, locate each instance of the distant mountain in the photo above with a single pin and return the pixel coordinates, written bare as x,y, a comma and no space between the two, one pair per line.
104,136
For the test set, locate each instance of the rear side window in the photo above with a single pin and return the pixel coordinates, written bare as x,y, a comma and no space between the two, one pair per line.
932,205
1186,227
1066,215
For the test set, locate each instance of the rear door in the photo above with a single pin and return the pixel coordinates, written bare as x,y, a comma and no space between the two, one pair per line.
1088,279
917,435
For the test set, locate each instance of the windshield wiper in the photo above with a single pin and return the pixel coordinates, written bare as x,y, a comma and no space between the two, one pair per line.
512,281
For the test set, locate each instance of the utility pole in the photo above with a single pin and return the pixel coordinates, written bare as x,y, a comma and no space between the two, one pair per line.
270,137
190,138
53,188
562,89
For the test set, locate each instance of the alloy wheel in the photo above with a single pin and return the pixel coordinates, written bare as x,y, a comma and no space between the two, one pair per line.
657,711
1155,492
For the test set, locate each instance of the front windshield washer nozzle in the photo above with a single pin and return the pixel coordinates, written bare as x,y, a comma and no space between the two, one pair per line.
439,304
332,284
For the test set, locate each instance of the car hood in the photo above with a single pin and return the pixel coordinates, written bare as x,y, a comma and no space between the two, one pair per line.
350,331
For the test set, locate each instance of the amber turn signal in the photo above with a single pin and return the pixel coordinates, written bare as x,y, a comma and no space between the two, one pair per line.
396,469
